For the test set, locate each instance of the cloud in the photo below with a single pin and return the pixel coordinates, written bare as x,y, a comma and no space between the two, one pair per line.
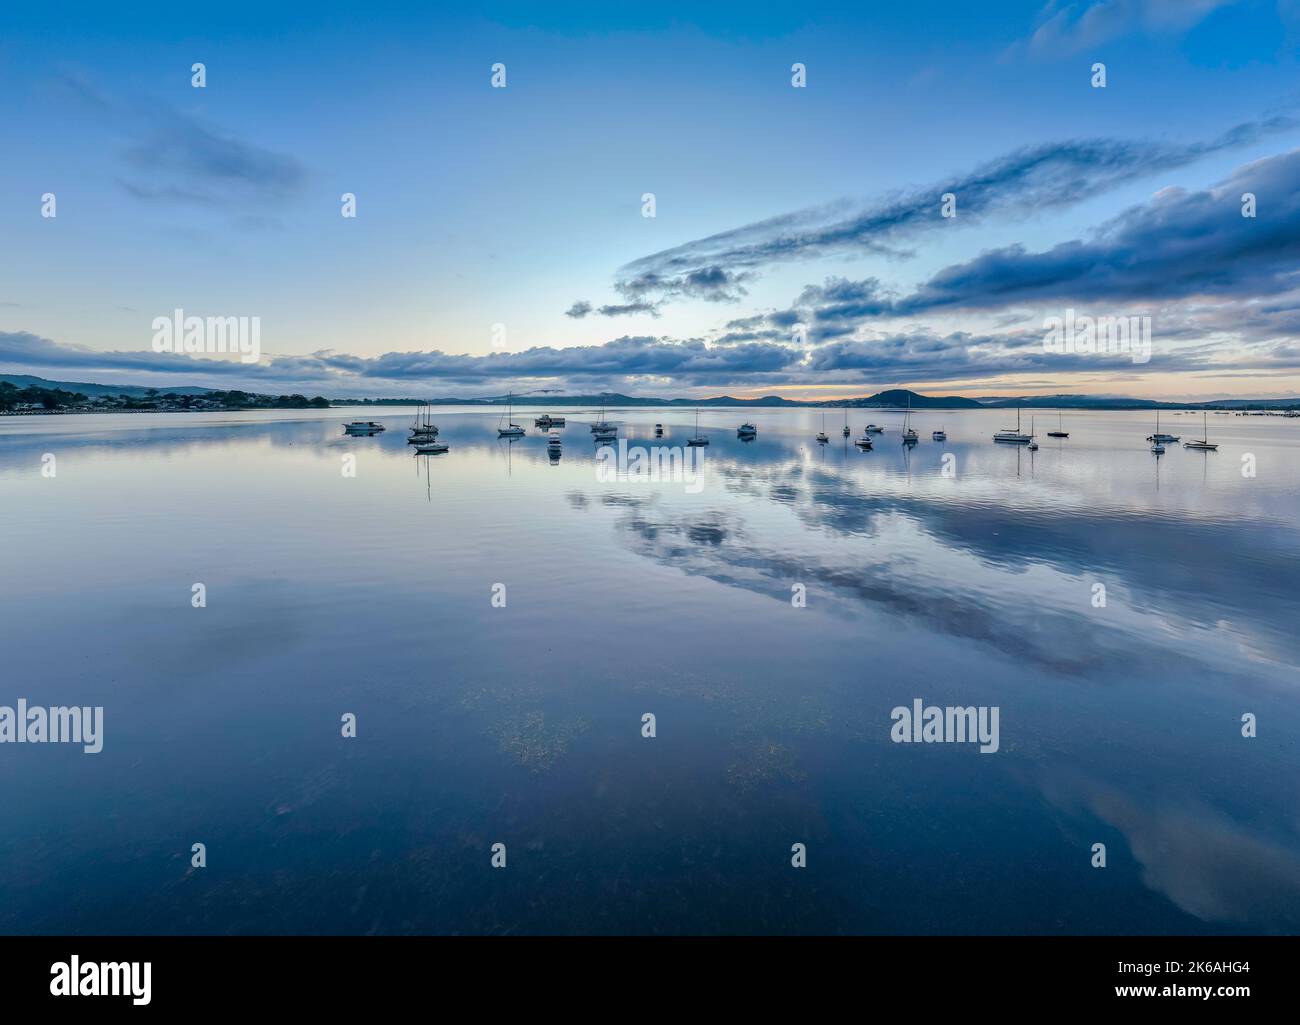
712,284
686,361
623,309
961,355
1022,182
180,158
582,308
25,349
629,361
639,355
171,155
1210,866
1071,27
1178,245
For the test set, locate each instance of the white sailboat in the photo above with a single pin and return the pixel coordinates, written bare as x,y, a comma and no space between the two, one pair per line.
603,430
426,442
603,426
1158,438
699,438
424,429
910,436
821,435
1204,444
847,432
1033,445
1009,437
512,429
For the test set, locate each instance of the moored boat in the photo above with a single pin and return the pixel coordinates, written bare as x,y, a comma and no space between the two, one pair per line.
1009,437
512,429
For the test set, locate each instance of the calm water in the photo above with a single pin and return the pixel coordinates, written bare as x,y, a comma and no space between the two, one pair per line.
372,594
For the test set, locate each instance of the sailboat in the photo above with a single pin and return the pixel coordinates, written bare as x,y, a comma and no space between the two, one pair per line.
426,441
1033,445
1060,431
909,435
847,432
699,438
1204,444
602,429
939,435
1159,438
512,429
1009,437
424,428
821,435
603,426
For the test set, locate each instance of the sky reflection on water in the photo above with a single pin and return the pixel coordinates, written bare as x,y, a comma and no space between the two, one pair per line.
326,594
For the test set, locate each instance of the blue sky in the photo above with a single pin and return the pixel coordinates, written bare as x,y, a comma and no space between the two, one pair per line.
775,206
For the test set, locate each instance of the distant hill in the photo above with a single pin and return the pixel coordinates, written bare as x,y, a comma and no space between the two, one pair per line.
897,398
893,398
1123,402
96,390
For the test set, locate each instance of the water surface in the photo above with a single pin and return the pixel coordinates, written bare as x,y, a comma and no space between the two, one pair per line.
967,581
